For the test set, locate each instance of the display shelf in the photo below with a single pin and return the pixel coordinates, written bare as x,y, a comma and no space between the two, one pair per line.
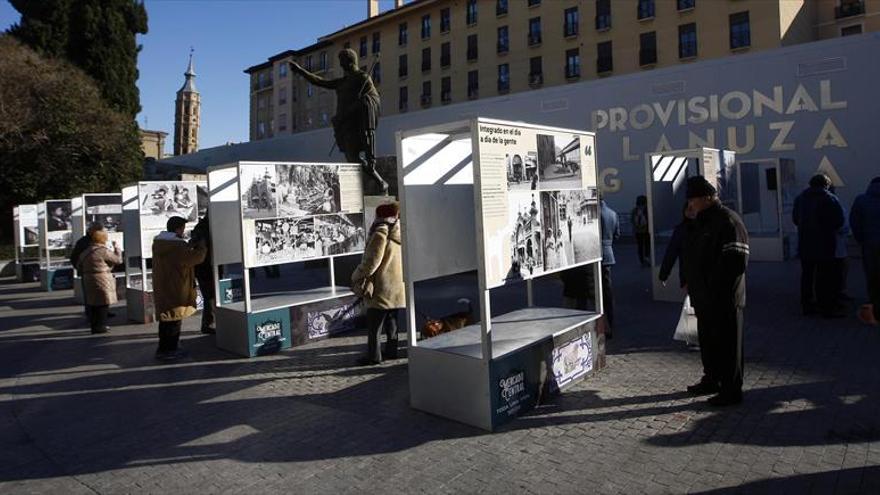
269,302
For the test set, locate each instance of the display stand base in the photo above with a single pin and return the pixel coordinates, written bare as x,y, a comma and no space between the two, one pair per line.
140,305
536,352
56,279
27,271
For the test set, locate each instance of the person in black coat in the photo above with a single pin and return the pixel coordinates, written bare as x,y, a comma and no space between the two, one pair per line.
716,255
204,273
819,217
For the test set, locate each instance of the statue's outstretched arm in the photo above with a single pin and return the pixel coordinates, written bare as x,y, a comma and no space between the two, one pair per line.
314,79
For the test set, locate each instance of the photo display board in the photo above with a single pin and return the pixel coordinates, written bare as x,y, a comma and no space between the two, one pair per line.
159,201
58,225
105,209
538,199
298,211
27,226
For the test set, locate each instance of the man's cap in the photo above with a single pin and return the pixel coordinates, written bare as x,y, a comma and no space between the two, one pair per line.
698,187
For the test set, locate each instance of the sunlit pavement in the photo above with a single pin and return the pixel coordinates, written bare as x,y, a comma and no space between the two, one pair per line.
96,414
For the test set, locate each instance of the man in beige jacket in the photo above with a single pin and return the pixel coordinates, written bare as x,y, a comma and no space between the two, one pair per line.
174,284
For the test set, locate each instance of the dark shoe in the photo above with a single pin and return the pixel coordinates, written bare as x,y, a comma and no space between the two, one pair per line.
725,399
100,330
110,314
365,361
209,331
703,387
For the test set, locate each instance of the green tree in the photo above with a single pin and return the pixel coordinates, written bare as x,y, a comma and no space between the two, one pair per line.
58,137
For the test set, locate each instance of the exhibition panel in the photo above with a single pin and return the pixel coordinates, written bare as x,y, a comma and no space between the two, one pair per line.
146,208
55,242
767,189
105,209
305,218
27,243
512,202
666,174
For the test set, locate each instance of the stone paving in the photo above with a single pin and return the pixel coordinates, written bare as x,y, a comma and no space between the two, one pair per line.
95,414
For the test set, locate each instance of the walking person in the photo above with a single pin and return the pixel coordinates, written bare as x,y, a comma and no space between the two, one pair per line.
716,255
204,272
95,266
610,225
174,284
864,220
819,217
639,217
379,280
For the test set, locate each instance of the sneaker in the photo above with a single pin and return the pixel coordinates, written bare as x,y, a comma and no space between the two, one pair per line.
725,399
704,387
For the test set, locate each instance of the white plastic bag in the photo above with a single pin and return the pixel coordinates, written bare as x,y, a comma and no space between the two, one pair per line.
686,330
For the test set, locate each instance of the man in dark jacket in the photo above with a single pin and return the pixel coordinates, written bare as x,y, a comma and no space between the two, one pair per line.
716,255
610,224
819,217
864,220
204,272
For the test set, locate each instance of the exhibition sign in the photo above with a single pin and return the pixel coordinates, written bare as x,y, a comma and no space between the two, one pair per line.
27,231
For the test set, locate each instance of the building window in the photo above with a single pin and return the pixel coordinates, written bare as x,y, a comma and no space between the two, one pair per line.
500,7
686,4
426,26
282,122
377,73
403,99
473,87
471,12
851,30
646,9
604,60
648,48
347,45
532,3
444,20
534,31
282,70
261,102
571,22
503,78
740,30
687,40
472,47
445,55
503,40
377,42
362,47
446,90
322,61
849,8
536,71
402,68
282,96
426,94
402,34
426,59
310,90
572,63
309,62
603,15
261,129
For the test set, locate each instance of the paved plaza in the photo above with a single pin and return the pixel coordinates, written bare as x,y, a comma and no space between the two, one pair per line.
96,414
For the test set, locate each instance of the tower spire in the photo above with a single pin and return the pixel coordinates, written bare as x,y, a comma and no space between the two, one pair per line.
187,113
189,85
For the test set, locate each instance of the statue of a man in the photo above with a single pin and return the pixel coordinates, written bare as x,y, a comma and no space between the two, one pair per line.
357,112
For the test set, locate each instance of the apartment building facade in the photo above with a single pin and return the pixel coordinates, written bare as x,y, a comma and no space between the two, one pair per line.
436,52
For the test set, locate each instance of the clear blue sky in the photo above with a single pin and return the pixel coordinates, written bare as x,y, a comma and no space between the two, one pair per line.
228,37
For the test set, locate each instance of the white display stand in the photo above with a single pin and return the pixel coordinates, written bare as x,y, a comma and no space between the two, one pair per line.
97,207
27,242
666,174
146,207
766,198
264,214
467,205
55,242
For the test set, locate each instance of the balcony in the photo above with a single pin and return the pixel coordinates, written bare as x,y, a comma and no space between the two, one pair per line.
534,39
849,9
536,79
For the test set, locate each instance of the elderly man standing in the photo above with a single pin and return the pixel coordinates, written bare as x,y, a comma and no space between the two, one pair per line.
864,218
174,284
717,252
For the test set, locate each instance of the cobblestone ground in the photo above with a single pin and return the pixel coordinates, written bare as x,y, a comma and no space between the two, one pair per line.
94,414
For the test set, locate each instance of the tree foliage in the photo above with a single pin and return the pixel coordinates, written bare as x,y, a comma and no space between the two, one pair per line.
58,136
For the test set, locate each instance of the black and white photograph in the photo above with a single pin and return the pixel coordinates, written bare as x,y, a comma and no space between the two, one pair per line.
58,216
159,202
524,226
283,240
559,161
58,239
202,195
106,210
307,190
522,171
342,233
258,198
571,227
31,236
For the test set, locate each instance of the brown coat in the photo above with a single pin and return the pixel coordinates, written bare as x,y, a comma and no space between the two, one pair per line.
174,283
96,268
383,264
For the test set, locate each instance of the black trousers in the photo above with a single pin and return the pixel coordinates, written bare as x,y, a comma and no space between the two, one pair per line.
97,317
377,321
208,318
608,295
169,335
871,264
820,284
643,242
720,332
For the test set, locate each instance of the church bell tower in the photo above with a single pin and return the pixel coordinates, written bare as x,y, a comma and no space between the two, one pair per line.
187,108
